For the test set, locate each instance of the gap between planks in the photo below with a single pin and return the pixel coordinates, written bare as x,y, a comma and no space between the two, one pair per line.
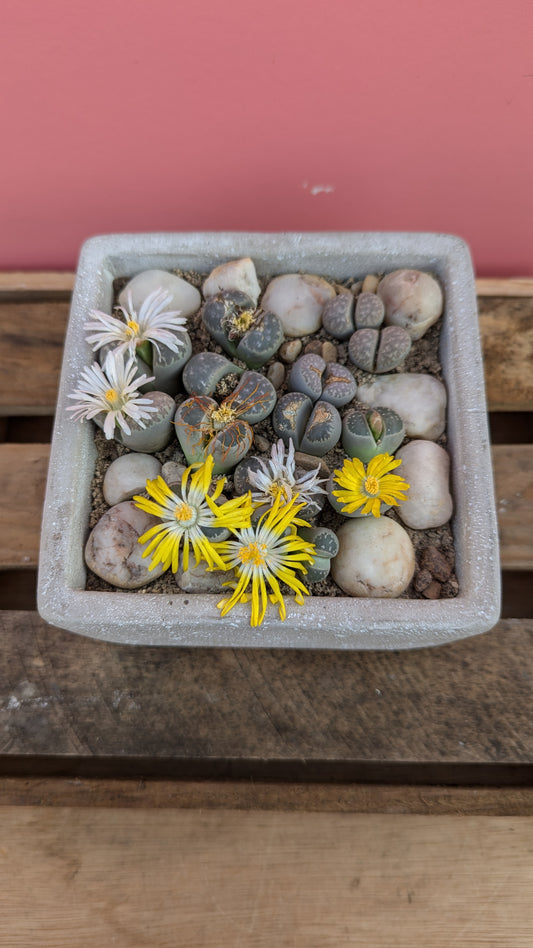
28,464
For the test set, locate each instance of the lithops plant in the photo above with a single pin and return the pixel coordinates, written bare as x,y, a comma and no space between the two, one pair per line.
369,311
206,370
379,351
316,378
204,427
367,433
338,316
413,300
280,476
246,333
313,429
326,547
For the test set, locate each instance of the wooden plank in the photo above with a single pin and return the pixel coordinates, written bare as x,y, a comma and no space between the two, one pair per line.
507,342
225,879
504,286
23,469
457,714
248,795
21,524
30,356
25,284
513,474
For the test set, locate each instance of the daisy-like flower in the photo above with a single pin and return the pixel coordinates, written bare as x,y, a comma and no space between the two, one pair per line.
112,390
153,323
371,487
277,479
267,554
184,515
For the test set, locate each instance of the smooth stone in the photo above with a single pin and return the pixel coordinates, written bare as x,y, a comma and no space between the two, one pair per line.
185,297
198,579
413,300
329,351
127,476
426,468
298,300
419,399
376,558
159,428
113,551
172,472
290,350
234,275
276,374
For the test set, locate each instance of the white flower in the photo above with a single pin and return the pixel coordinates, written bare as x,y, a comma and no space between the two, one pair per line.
113,391
279,479
154,323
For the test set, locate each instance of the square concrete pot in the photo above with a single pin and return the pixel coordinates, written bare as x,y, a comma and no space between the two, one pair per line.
338,623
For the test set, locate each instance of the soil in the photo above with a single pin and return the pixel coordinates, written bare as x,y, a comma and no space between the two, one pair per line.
423,357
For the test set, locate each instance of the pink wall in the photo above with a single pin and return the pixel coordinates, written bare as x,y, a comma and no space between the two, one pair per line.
124,115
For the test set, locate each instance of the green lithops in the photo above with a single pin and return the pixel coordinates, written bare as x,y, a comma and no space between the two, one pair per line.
366,434
245,332
326,547
379,350
205,370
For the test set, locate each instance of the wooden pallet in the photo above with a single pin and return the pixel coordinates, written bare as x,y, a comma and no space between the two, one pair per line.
458,714
383,799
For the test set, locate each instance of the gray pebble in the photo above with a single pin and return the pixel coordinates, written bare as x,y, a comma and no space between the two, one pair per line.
290,350
127,476
113,551
276,374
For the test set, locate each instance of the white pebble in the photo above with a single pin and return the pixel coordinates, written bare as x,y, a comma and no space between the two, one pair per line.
298,299
127,476
235,275
413,300
376,558
198,579
113,551
426,468
185,297
419,400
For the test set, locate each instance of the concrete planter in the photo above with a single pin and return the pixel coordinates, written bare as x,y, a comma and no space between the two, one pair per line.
339,623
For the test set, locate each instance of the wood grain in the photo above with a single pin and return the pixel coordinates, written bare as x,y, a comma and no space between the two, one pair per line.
32,336
507,343
504,286
23,470
21,524
263,795
224,879
458,714
25,284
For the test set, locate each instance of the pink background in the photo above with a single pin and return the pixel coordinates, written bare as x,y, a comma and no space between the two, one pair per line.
129,115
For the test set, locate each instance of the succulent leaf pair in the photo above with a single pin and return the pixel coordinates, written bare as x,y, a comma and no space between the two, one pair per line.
244,332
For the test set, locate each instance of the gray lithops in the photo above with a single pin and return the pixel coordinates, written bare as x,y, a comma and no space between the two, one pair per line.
314,430
245,332
413,300
369,311
379,351
326,547
319,379
338,316
366,434
168,365
204,371
157,432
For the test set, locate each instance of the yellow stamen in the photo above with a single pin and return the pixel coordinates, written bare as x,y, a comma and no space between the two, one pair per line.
280,490
111,395
253,553
183,513
371,486
133,328
222,416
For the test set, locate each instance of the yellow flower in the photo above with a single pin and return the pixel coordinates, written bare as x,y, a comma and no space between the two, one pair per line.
371,487
184,516
267,554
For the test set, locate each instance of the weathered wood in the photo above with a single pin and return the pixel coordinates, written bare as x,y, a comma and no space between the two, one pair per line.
27,284
504,286
32,336
262,795
507,342
457,714
23,469
513,473
223,879
28,463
